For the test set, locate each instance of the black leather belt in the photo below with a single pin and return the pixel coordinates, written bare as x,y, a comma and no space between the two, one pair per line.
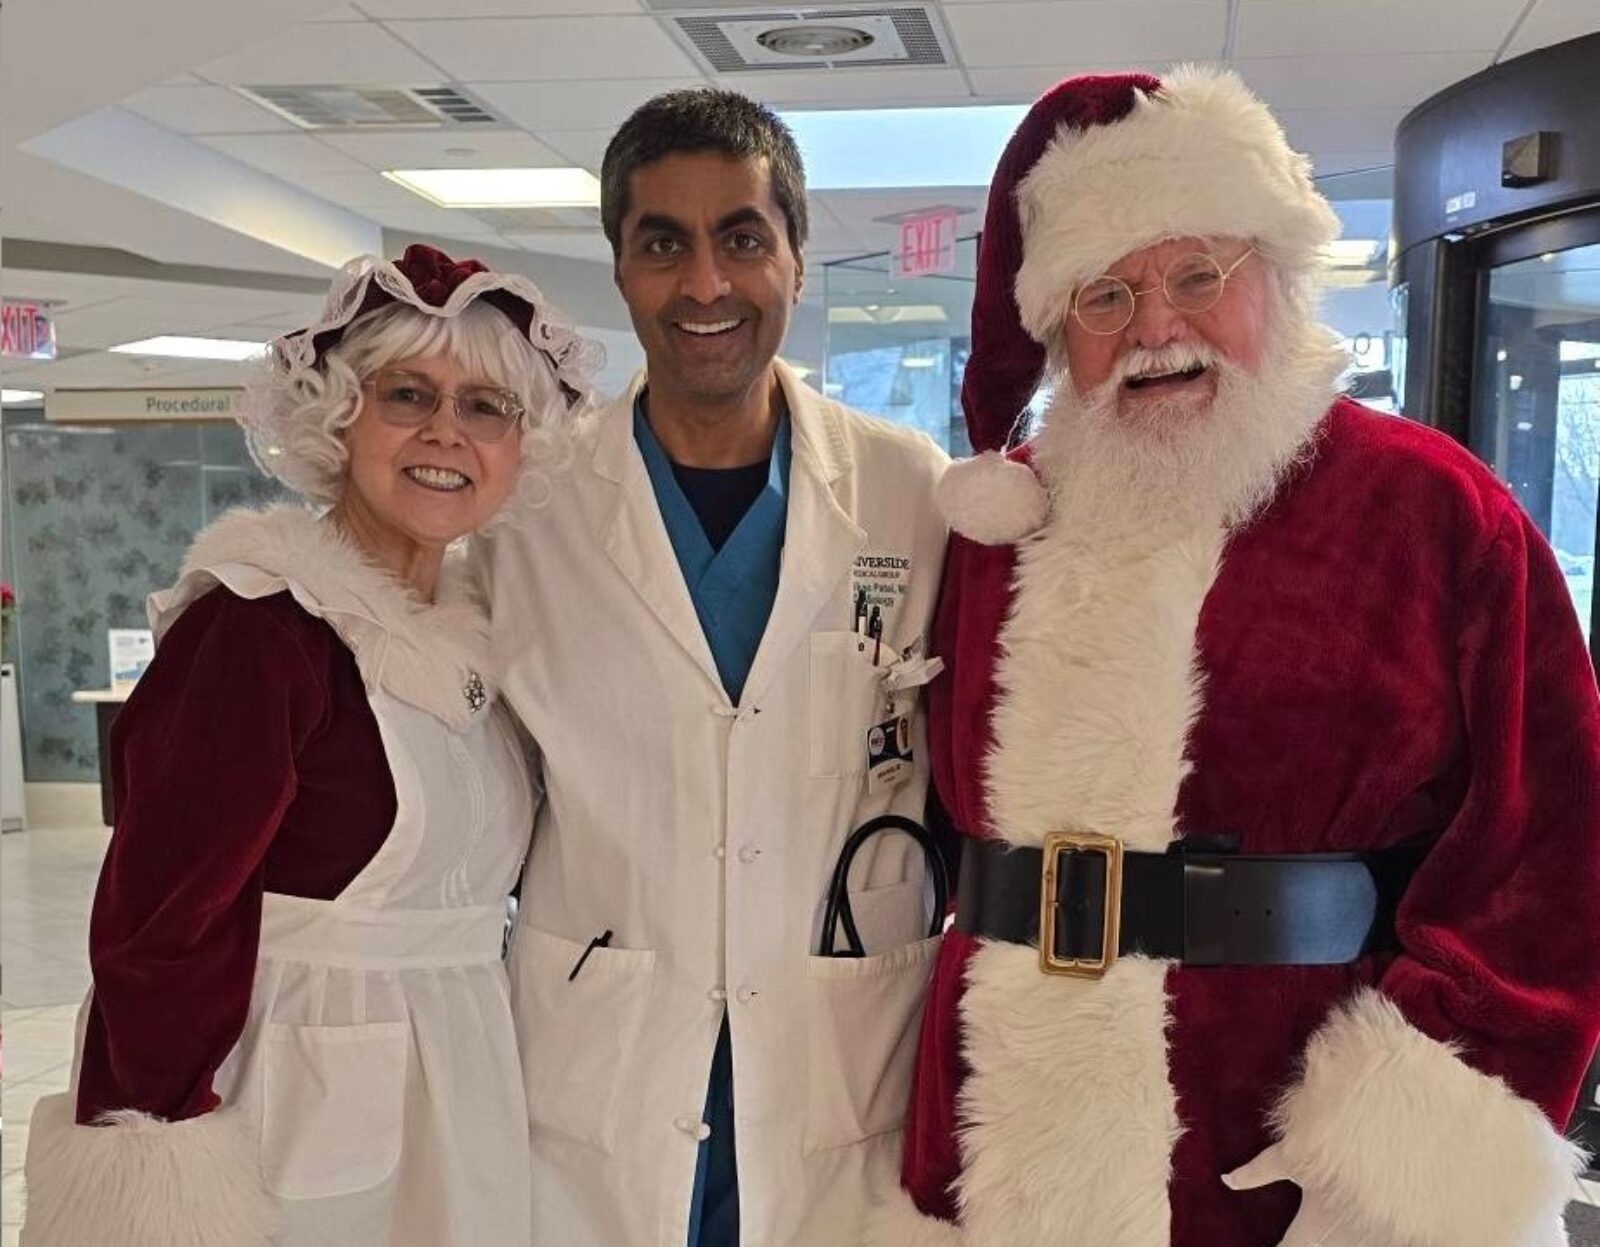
1198,904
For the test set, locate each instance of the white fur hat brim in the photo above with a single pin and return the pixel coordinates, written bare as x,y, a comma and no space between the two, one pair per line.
1201,157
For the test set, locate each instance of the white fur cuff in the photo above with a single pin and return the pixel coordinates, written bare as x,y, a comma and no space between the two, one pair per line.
1407,1139
992,500
896,1222
143,1182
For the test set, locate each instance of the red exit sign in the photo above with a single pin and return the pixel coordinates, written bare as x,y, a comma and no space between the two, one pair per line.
927,244
26,331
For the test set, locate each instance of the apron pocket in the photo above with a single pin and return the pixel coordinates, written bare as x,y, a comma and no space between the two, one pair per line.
847,697
577,1036
863,1015
333,1107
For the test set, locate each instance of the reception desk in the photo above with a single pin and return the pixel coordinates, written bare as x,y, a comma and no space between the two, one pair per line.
106,703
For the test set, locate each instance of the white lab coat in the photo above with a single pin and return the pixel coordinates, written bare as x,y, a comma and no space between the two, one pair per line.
703,836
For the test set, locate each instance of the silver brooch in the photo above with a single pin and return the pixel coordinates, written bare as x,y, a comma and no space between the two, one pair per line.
477,696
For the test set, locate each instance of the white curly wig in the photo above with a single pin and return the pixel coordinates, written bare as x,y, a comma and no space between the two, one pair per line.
297,409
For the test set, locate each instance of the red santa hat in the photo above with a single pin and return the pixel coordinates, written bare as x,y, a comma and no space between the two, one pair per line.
1102,166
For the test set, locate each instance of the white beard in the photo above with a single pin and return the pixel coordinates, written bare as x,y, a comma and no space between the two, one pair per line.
1185,462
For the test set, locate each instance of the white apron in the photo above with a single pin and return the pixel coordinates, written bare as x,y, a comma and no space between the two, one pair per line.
379,1062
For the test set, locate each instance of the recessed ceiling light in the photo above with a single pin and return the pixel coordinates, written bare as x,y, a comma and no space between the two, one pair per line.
179,347
9,397
811,39
903,314
501,188
917,361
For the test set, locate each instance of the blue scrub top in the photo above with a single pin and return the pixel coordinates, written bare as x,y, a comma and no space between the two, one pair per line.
733,589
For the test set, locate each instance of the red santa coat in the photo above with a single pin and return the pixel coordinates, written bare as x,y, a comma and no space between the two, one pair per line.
1386,654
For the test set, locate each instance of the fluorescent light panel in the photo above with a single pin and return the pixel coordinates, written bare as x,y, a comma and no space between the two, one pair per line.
179,347
20,396
501,188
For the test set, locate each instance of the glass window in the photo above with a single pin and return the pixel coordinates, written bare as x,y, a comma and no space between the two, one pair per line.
1536,415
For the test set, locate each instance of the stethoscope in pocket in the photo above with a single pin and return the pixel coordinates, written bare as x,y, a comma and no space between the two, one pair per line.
837,911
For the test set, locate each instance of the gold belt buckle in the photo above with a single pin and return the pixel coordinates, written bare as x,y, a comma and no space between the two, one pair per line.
1056,846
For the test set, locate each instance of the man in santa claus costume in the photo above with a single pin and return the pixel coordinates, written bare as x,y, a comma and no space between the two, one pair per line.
1272,734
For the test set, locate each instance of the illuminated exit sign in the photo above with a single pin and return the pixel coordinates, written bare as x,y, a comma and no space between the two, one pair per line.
26,331
927,244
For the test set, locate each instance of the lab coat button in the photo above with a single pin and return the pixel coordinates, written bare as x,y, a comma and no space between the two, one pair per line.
720,852
692,1125
717,994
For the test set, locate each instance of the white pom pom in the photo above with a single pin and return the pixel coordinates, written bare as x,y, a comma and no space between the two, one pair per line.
992,500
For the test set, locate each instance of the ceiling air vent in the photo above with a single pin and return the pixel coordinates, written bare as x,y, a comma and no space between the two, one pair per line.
734,42
364,108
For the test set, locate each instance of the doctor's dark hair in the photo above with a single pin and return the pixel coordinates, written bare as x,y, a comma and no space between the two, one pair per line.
703,120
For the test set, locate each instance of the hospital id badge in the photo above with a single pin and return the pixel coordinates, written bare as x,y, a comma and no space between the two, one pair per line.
888,754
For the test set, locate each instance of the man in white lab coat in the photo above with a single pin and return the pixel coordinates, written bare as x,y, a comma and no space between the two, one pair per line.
715,633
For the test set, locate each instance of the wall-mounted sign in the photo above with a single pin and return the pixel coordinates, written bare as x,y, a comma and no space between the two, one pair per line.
142,406
927,244
26,331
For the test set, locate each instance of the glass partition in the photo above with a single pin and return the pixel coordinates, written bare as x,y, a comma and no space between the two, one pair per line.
897,347
97,517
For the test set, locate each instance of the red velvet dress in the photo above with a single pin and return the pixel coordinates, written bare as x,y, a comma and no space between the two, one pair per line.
1387,653
247,761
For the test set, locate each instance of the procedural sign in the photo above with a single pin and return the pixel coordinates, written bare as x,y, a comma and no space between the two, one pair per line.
26,331
927,244
118,406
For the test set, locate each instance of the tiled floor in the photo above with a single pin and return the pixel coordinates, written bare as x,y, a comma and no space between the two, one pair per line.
47,880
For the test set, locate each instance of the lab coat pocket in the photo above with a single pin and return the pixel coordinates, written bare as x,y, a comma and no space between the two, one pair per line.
333,1107
578,1035
847,697
863,1018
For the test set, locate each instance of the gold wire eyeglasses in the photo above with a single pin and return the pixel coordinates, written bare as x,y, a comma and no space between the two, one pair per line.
1191,283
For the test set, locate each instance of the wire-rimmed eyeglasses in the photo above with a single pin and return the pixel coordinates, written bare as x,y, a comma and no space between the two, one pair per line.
1191,283
409,400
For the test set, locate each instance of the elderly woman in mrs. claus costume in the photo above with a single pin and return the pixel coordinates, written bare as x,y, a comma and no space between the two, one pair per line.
299,1031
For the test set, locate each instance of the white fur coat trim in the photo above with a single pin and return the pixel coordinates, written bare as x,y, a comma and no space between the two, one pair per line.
1202,156
1069,1117
139,1181
991,499
1416,1146
424,654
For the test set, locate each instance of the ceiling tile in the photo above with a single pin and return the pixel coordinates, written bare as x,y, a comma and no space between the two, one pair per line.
496,8
345,53
1087,32
426,219
1398,81
205,110
1555,21
828,88
445,149
578,244
1371,27
358,191
284,155
344,13
1023,84
574,105
548,49
129,319
1341,129
585,148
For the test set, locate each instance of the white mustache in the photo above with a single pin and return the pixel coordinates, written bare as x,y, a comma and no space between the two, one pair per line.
1176,357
